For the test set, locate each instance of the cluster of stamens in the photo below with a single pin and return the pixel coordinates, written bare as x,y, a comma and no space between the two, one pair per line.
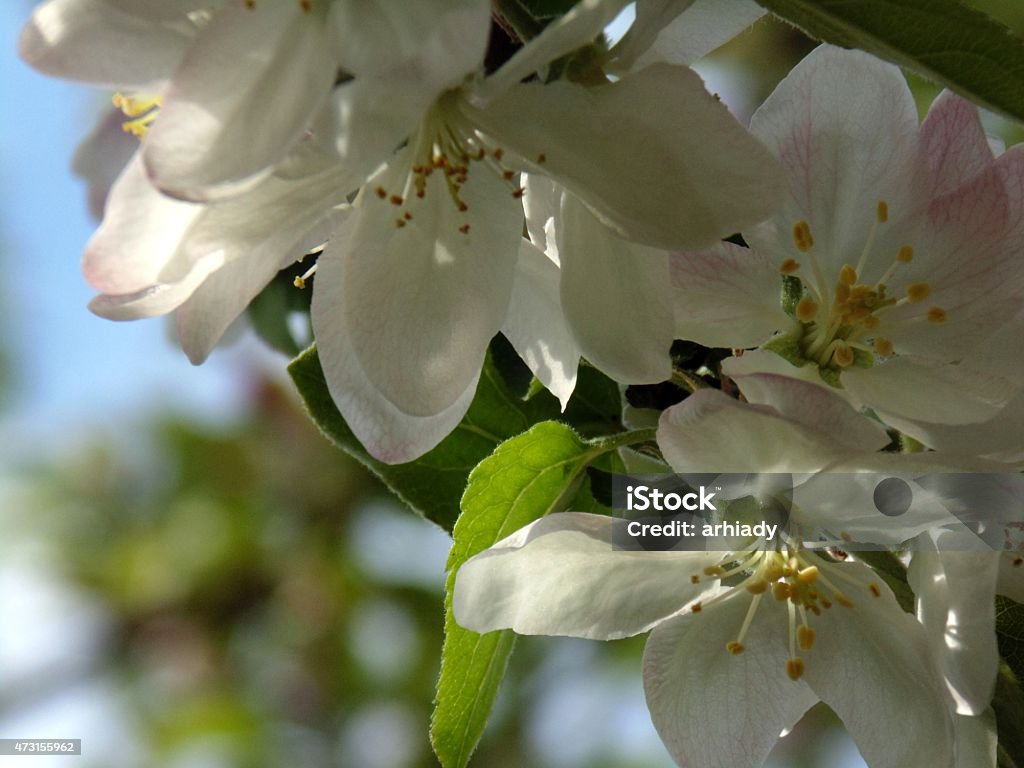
795,577
447,148
845,318
141,109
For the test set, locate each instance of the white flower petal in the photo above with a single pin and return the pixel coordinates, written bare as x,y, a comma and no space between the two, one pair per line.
159,298
920,390
714,709
619,147
953,575
432,43
224,295
374,115
423,299
116,44
616,296
136,245
721,296
560,576
149,240
681,32
244,60
542,202
977,740
102,157
873,666
536,326
816,407
844,125
712,432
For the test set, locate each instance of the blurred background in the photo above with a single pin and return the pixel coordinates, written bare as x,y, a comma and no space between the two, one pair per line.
192,577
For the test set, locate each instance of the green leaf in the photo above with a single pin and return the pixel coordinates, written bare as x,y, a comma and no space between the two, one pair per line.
1008,702
433,484
524,479
943,40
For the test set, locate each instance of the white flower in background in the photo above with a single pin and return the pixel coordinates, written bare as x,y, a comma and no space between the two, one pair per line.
743,642
239,83
896,248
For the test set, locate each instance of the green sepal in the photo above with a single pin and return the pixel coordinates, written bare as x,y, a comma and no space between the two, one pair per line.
792,292
788,348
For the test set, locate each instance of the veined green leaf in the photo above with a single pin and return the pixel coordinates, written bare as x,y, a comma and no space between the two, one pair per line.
943,40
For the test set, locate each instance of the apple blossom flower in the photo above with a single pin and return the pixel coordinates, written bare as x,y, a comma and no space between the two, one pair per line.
239,82
742,642
895,251
421,271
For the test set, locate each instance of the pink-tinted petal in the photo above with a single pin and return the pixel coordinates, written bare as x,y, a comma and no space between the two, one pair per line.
954,143
723,296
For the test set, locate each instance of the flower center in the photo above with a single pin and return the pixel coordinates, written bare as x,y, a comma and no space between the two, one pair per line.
792,576
448,145
844,321
141,108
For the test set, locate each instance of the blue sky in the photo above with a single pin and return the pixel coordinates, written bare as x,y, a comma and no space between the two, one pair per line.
71,368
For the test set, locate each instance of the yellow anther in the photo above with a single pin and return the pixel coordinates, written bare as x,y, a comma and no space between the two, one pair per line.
905,255
873,588
298,282
789,266
780,590
883,347
795,668
843,355
696,607
735,647
805,637
714,570
808,575
848,275
757,587
806,309
826,603
802,236
843,600
918,292
882,212
395,200
936,315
